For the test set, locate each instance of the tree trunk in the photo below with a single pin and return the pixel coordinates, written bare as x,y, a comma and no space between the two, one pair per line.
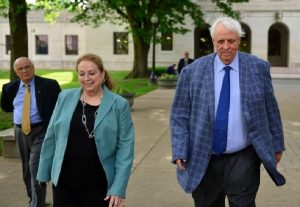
140,62
18,32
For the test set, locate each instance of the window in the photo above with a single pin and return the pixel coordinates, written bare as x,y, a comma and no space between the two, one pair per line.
167,41
71,43
120,43
41,44
274,43
7,44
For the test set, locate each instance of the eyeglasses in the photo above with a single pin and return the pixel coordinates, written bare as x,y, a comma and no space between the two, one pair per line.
26,68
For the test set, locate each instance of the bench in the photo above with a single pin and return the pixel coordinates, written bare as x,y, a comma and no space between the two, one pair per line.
10,149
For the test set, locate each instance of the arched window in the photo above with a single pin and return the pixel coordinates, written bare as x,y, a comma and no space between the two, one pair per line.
245,44
278,43
203,43
274,42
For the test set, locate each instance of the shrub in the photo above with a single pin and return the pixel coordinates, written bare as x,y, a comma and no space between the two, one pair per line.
166,76
123,91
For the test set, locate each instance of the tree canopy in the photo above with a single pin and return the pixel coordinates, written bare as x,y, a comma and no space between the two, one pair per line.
136,15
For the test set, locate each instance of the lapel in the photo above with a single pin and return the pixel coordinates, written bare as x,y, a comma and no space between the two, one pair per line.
14,88
67,107
38,85
72,103
244,76
209,83
106,104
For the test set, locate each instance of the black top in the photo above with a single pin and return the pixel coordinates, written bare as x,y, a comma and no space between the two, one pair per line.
82,169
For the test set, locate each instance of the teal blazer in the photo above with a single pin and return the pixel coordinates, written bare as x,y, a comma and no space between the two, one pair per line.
114,138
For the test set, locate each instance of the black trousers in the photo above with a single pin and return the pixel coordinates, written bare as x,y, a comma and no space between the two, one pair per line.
236,176
63,197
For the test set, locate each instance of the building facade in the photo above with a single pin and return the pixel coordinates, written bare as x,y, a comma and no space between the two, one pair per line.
271,28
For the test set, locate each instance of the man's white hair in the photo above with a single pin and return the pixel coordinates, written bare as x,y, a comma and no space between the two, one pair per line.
229,23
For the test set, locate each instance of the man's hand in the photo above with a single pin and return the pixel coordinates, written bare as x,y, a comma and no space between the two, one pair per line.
180,164
278,156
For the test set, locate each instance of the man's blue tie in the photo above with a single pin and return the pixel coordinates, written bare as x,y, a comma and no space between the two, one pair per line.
221,121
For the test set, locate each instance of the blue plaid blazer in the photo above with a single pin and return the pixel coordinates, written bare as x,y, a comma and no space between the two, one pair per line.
192,117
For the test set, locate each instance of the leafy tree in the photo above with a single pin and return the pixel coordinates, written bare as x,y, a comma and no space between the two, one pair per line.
4,8
137,15
16,11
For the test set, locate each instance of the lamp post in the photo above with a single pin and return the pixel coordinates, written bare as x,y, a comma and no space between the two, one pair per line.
153,78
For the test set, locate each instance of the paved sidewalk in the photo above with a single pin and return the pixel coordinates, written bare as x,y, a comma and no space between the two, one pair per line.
153,181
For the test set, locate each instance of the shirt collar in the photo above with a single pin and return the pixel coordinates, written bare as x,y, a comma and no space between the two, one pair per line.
234,64
30,83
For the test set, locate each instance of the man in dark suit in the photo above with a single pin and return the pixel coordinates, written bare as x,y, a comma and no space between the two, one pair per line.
42,94
218,154
184,61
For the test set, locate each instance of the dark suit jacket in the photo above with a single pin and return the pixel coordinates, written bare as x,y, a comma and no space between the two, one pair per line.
181,64
46,92
193,114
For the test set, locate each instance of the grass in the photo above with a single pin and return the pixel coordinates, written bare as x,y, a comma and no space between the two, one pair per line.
68,79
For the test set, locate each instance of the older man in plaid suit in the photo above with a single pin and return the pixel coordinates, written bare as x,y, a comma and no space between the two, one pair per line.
253,128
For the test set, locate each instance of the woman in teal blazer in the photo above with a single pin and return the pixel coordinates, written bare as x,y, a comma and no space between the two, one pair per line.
88,149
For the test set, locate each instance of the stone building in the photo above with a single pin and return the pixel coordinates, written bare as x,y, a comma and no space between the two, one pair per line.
271,27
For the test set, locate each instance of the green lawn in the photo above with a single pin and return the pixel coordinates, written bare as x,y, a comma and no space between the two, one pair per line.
68,79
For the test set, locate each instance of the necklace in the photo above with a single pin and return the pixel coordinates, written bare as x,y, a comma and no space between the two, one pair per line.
84,120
